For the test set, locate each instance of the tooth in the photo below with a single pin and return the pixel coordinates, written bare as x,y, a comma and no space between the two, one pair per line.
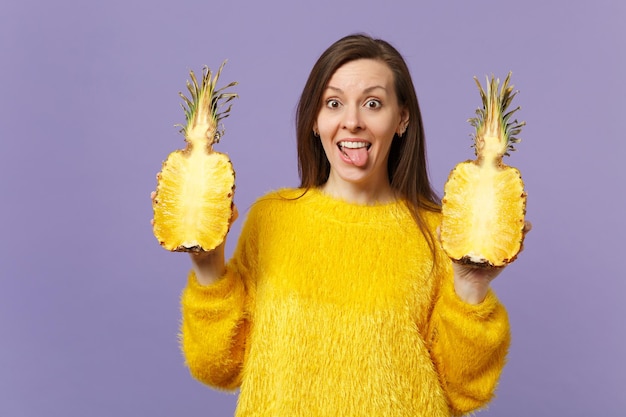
353,145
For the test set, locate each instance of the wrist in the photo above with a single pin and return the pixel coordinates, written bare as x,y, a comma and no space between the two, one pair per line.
471,292
208,266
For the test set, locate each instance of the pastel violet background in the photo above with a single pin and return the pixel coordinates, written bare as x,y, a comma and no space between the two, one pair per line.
89,303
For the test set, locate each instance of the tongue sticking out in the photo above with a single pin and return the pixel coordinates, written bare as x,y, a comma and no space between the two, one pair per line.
358,156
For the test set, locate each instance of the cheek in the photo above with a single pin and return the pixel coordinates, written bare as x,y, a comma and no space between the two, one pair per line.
385,134
329,120
324,139
324,125
327,145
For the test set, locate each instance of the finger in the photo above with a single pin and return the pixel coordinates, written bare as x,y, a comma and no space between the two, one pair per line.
234,215
152,222
528,226
152,195
200,256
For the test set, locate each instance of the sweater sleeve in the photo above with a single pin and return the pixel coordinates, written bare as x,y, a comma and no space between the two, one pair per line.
468,345
213,330
216,319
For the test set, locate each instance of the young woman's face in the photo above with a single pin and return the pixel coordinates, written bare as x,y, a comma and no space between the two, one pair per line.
359,116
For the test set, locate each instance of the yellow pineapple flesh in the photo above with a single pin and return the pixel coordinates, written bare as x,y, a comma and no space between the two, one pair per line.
484,203
193,201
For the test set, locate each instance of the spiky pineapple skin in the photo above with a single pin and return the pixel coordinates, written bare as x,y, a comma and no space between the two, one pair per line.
483,211
193,204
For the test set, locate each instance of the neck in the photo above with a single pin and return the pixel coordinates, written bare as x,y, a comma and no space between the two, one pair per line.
367,194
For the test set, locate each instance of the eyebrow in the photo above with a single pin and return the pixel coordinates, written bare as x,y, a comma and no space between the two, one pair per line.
366,91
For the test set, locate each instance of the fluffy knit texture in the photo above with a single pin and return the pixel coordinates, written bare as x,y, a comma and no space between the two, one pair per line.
329,308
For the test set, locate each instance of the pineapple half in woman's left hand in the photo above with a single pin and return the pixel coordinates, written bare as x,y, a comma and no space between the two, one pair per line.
484,203
193,202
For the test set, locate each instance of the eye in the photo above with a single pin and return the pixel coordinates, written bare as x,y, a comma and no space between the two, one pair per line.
332,103
373,103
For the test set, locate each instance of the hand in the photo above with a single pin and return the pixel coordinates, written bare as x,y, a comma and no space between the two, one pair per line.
210,266
204,257
471,282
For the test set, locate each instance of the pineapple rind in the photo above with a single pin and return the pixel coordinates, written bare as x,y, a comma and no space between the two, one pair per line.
193,201
483,214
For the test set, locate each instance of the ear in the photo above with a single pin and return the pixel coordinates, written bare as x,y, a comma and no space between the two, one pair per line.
404,121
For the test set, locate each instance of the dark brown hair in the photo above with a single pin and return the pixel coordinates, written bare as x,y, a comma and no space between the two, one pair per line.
407,169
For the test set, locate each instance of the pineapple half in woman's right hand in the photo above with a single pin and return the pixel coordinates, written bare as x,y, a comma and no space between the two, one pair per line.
193,202
484,201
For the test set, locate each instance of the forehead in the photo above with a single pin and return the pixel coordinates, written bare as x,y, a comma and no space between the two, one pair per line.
361,74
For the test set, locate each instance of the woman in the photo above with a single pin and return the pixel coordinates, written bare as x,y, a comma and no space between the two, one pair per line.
338,300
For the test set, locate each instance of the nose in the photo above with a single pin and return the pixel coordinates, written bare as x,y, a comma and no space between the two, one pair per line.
352,119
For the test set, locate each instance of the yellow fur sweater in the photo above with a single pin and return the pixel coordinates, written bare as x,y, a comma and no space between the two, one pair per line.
334,309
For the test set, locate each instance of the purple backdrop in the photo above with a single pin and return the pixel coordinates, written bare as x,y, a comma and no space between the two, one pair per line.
89,308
